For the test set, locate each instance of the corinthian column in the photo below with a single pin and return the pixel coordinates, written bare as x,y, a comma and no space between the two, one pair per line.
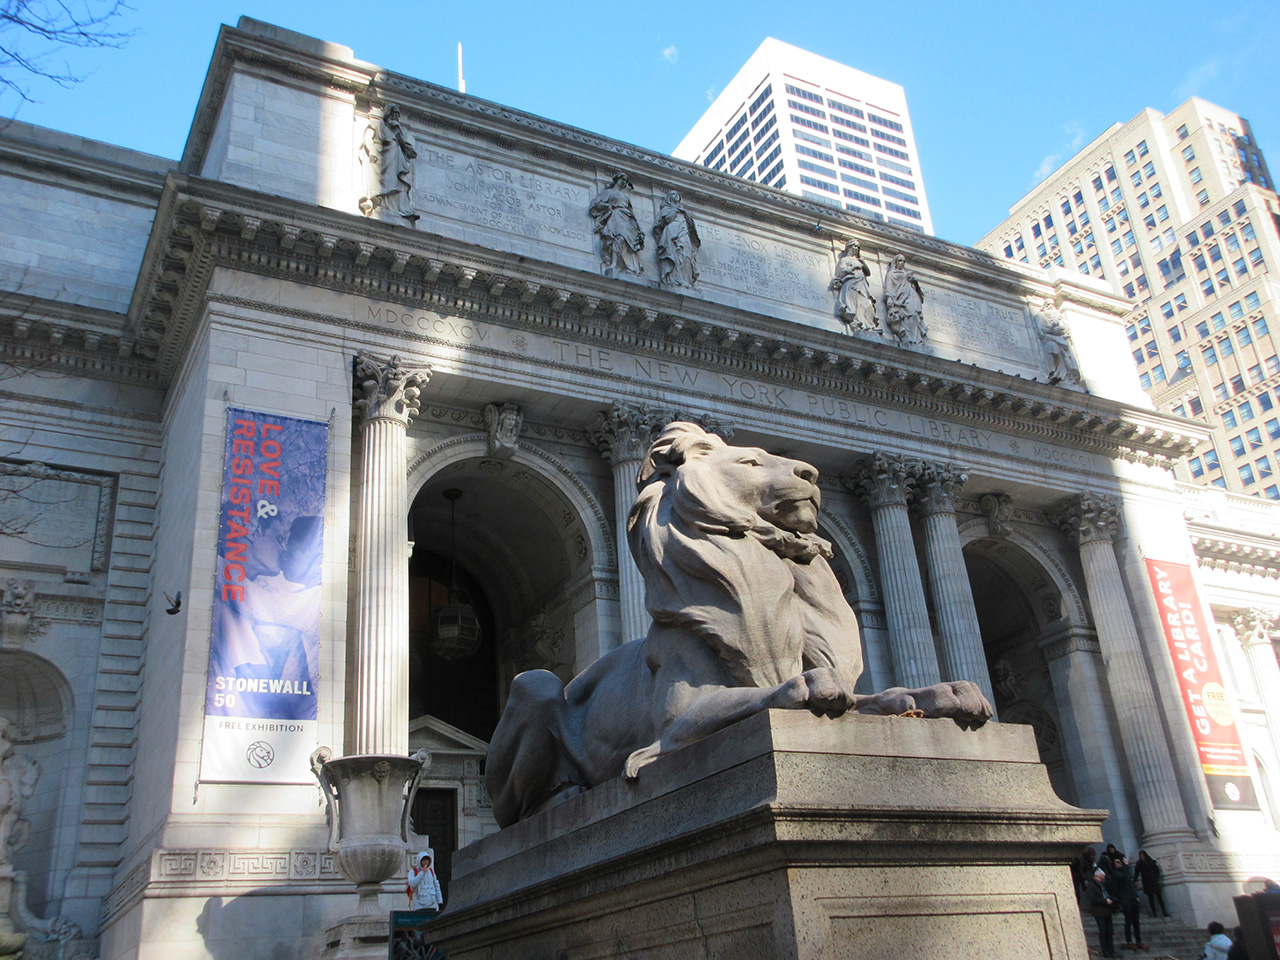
623,433
963,657
884,483
1254,630
386,396
1093,522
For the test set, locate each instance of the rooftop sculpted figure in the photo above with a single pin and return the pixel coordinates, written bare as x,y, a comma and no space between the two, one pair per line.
621,238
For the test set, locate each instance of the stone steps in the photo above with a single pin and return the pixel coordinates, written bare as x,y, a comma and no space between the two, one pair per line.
1165,939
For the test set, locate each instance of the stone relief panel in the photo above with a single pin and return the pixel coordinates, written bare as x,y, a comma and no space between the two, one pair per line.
502,196
54,519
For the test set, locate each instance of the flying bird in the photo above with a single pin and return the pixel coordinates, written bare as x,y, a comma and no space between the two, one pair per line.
175,603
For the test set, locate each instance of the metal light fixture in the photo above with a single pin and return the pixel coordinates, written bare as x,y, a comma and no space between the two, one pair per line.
455,629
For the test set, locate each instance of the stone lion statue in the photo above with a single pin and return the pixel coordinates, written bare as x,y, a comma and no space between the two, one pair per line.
747,616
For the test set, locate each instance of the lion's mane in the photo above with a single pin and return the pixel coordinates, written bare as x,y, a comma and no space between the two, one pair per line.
763,597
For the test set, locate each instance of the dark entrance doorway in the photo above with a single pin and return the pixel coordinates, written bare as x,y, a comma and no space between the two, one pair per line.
435,815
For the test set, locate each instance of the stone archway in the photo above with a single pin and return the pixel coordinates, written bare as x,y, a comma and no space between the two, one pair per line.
1046,668
37,701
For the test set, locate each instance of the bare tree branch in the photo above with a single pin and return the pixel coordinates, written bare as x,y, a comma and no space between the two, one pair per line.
33,31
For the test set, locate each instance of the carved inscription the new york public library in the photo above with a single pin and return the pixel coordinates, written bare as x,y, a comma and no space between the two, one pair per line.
481,193
675,377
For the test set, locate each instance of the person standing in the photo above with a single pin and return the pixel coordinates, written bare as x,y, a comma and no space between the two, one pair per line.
1125,892
1100,904
424,887
1219,944
1148,871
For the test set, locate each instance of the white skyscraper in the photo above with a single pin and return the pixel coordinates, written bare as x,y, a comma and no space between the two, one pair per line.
800,122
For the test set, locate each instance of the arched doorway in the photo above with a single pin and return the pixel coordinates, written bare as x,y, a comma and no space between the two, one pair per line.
36,700
1018,605
526,559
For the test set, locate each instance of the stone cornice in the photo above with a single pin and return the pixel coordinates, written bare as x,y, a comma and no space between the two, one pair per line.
34,152
45,336
204,224
1231,550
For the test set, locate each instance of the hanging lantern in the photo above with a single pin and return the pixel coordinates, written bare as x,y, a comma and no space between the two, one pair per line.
455,628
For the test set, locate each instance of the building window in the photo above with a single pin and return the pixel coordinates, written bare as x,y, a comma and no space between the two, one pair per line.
1203,198
1246,412
1197,467
1195,406
1246,474
1097,184
1255,438
1229,421
1225,348
1162,213
1210,355
1273,428
1136,177
1182,132
1110,174
1131,158
1188,153
1211,459
806,94
1272,492
1237,446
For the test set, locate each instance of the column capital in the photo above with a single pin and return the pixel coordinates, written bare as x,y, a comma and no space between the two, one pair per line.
938,484
1088,517
387,389
884,480
1254,626
624,431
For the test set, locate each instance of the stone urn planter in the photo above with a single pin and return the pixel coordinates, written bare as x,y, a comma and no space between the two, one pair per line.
368,799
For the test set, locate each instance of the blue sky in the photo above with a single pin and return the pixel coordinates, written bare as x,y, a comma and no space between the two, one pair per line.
999,92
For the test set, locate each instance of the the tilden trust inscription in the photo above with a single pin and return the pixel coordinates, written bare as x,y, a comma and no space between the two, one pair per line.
667,373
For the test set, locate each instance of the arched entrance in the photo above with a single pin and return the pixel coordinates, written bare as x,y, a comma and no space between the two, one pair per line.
1015,603
527,559
36,700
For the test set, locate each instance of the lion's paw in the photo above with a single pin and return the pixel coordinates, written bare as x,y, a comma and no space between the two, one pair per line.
826,693
959,700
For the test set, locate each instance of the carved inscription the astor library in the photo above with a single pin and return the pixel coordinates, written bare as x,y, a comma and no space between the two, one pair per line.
502,197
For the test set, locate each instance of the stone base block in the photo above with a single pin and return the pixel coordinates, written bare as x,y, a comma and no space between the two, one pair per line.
789,836
361,937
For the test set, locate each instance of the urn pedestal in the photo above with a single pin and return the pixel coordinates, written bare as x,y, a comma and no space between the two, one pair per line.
368,799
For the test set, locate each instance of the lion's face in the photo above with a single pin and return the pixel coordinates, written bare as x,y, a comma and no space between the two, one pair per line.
749,482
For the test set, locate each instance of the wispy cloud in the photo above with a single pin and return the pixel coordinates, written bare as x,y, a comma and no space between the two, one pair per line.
1074,140
711,94
670,54
1047,166
1195,80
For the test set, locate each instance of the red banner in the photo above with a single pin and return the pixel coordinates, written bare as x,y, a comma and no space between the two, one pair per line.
1200,682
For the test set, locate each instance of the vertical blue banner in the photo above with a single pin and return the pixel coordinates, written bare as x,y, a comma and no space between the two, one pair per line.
260,703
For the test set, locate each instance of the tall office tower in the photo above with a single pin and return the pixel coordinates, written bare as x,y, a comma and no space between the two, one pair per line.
1178,214
800,122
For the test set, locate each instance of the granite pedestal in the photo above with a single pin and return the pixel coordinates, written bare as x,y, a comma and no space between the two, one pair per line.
790,836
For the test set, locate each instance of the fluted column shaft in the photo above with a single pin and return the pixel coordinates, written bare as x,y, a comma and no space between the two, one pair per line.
883,483
963,656
1093,522
1254,630
634,614
386,396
